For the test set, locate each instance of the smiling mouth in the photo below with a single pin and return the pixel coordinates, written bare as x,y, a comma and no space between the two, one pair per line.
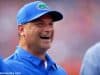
45,37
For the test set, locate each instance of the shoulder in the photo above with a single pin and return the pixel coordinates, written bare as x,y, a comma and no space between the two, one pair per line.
93,51
92,55
95,47
14,66
90,64
12,63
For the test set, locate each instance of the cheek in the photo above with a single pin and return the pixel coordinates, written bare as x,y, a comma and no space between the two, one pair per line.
33,35
28,34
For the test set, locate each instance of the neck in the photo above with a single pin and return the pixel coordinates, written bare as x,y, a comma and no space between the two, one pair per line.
34,51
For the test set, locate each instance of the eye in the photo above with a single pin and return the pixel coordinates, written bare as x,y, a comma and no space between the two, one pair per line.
51,24
40,24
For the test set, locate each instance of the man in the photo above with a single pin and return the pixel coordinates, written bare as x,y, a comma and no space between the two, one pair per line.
35,30
91,62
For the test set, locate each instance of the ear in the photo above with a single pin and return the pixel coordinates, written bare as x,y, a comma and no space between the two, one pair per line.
21,30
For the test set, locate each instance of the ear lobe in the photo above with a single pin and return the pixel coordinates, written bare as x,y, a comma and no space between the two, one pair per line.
22,34
21,30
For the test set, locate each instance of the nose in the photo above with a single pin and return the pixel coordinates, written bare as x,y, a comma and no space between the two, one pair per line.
48,28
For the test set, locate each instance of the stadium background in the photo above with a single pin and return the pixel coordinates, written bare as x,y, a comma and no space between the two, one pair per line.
73,35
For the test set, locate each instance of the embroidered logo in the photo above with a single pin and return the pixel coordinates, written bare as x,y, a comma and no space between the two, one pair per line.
42,6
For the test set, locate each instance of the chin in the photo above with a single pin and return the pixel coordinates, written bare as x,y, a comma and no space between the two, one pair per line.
45,47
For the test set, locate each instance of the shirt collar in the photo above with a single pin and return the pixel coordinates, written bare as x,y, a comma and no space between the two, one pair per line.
22,53
51,63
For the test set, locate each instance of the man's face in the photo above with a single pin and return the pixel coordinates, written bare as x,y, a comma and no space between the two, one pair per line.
39,33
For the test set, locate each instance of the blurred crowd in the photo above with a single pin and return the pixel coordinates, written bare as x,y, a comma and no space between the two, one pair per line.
73,35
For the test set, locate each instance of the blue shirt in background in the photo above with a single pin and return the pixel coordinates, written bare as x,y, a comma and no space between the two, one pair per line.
91,61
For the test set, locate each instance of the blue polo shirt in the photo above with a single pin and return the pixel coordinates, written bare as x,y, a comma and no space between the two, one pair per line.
21,62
